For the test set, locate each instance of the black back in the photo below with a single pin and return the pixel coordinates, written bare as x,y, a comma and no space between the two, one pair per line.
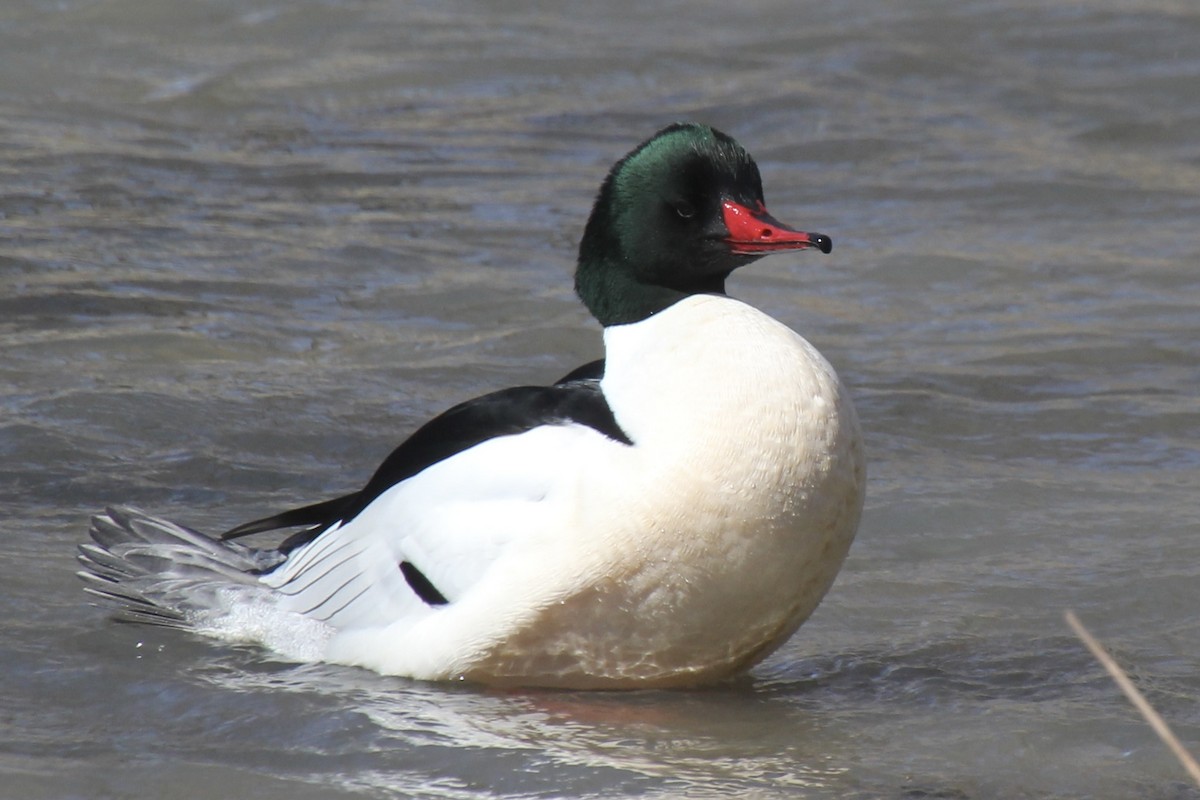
574,399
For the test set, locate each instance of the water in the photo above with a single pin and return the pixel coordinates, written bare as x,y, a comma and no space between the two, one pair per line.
248,245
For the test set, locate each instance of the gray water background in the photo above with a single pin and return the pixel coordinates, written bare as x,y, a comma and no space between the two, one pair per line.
246,246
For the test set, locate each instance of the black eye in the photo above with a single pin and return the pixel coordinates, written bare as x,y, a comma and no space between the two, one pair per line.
685,209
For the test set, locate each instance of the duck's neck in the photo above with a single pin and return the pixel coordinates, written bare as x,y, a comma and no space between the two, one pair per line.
615,295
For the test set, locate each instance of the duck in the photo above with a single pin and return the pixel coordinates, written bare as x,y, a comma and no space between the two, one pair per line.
666,516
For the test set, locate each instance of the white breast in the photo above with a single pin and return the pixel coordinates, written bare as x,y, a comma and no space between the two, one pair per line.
716,534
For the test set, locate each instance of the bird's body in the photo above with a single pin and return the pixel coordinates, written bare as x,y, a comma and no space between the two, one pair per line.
664,518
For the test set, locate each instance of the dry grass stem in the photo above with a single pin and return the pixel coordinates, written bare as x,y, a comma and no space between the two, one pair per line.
1153,717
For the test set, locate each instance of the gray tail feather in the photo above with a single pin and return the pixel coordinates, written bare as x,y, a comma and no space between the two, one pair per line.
157,572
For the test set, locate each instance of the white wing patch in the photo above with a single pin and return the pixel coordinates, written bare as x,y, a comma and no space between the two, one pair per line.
452,521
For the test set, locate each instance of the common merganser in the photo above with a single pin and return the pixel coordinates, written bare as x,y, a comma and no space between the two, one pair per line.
667,516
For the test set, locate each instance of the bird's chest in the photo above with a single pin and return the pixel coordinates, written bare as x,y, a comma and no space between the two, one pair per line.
712,536
725,403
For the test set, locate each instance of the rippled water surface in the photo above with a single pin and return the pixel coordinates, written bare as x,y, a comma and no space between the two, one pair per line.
246,246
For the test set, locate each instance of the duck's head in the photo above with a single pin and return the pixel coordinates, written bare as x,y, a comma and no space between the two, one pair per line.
673,218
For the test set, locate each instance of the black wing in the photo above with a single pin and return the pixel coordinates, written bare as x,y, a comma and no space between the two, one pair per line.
576,398
591,371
